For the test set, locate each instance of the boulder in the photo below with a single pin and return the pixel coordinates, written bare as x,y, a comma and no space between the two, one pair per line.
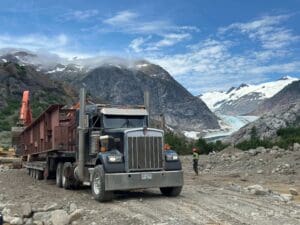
75,215
258,190
296,147
293,191
59,217
26,210
72,207
16,221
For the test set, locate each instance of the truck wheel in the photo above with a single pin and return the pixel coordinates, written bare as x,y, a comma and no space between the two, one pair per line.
59,170
98,185
40,175
171,191
66,181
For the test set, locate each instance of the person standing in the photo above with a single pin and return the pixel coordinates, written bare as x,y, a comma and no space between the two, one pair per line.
195,160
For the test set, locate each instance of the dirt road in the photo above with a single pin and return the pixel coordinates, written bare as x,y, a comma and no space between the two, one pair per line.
209,198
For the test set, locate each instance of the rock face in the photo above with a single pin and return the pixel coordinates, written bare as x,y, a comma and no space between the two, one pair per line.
267,125
120,85
286,97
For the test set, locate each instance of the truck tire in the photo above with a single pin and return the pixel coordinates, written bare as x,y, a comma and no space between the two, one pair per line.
66,180
40,175
59,170
171,191
98,185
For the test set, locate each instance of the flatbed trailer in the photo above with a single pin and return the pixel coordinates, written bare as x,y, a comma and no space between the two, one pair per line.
109,147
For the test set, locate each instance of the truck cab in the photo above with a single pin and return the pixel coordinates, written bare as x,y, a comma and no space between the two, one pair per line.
129,154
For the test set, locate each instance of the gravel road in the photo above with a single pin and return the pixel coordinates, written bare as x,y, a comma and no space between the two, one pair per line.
210,198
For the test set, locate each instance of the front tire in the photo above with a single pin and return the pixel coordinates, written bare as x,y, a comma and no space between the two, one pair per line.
171,191
98,185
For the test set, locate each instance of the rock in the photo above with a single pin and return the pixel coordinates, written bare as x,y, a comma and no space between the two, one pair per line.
41,216
260,171
293,191
26,210
2,206
59,217
38,222
72,207
253,152
260,149
16,221
51,207
296,147
75,215
29,221
258,190
286,197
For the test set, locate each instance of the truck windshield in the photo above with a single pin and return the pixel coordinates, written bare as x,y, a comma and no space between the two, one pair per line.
111,121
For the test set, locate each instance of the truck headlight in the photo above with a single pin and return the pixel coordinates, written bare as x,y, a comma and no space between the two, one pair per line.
115,158
172,157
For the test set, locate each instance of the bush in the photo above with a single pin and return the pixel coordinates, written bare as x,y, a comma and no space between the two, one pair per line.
254,143
178,143
287,137
207,147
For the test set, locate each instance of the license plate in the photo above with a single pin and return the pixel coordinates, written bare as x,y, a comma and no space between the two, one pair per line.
146,176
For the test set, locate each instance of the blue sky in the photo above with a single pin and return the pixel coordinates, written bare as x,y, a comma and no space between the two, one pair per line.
205,45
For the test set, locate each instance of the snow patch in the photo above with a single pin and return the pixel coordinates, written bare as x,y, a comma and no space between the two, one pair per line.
265,90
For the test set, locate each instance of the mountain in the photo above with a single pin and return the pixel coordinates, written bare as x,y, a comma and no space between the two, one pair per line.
126,85
282,100
14,79
268,124
245,98
279,111
121,81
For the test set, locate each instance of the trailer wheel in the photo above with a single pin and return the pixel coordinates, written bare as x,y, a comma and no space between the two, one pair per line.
66,180
171,191
40,175
59,170
98,185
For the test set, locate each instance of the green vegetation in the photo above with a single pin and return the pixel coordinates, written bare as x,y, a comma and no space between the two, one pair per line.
183,146
178,143
8,115
286,138
207,147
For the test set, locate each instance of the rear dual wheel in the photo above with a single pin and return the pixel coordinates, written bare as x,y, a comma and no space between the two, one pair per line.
65,176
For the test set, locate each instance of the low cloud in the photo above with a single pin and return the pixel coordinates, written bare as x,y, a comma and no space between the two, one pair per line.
34,41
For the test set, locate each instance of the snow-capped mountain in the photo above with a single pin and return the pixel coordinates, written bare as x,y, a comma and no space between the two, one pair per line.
121,81
245,98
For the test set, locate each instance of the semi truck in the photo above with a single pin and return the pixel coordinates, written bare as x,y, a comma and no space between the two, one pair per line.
109,147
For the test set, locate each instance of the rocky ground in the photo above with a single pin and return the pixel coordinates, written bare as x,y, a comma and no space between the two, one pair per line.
259,186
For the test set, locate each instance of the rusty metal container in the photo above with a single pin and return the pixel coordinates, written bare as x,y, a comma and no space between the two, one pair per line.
54,129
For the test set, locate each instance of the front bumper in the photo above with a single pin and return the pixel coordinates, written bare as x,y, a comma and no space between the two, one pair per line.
139,180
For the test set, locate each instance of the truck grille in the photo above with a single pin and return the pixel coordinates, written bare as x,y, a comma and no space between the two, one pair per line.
144,153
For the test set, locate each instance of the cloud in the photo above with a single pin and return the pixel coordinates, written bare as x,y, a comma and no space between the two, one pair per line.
131,22
80,15
267,30
136,44
141,44
34,41
212,65
123,17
